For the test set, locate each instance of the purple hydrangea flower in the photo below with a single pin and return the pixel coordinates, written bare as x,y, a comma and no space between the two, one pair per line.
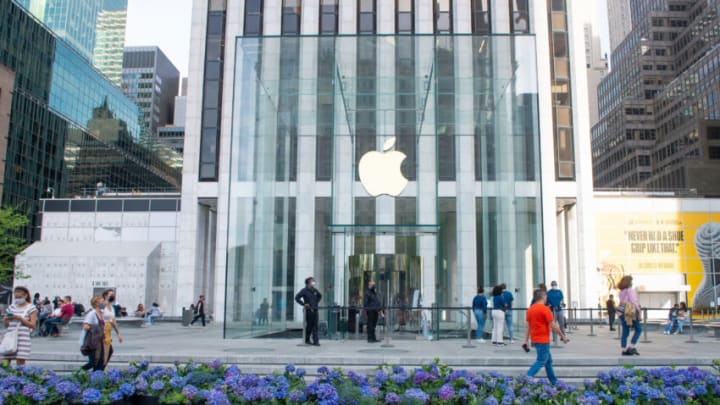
490,401
157,385
416,395
289,368
189,391
392,398
91,396
446,392
300,372
127,389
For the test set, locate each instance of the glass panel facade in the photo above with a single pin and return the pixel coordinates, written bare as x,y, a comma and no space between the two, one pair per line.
463,111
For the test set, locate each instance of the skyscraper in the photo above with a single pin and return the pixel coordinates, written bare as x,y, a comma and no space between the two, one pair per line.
485,100
619,21
151,79
659,105
95,28
74,21
110,39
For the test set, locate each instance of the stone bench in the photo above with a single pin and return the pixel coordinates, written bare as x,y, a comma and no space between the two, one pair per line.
130,321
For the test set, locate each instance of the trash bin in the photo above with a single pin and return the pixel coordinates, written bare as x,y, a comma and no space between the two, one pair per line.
186,317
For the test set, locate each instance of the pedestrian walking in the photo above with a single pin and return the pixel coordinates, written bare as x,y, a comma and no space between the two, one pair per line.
630,316
93,335
508,299
373,308
498,316
108,315
309,297
610,306
540,322
199,311
21,317
479,306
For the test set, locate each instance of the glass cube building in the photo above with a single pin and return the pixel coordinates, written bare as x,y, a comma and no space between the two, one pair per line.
433,146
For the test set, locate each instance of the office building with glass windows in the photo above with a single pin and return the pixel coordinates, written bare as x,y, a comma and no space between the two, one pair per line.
110,39
68,127
434,146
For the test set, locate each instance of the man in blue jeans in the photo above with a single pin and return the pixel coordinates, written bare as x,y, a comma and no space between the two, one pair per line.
508,297
539,322
479,306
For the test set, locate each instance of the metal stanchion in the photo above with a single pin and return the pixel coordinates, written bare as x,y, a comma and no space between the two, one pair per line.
304,329
387,330
358,315
692,332
468,344
645,338
592,324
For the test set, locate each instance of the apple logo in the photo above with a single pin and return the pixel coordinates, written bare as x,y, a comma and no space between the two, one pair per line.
380,171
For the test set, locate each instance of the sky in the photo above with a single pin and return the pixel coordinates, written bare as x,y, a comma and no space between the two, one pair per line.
165,23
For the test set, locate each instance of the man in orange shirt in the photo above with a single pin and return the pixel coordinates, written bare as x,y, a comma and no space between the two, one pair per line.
539,323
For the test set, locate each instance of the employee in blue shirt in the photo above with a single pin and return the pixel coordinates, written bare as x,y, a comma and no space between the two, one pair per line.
554,301
479,306
498,316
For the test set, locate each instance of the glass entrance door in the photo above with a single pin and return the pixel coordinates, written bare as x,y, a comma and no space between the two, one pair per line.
398,278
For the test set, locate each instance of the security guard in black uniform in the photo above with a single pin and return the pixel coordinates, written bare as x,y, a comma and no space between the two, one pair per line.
372,306
309,297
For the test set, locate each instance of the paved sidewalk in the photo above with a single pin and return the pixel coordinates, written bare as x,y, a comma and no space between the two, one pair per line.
166,343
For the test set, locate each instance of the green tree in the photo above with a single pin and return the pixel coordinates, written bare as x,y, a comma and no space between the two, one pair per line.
12,222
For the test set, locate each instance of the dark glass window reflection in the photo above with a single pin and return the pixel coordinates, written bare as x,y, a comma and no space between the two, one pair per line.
291,17
405,17
443,16
329,16
481,16
366,16
253,17
519,16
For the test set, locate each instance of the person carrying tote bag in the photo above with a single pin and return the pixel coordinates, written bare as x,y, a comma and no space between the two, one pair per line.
20,319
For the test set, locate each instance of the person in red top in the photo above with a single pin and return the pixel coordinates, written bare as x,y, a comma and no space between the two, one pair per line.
66,313
540,322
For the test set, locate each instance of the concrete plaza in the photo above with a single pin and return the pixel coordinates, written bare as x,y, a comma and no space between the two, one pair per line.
583,357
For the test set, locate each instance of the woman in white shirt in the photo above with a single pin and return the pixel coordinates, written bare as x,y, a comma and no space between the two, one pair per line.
108,314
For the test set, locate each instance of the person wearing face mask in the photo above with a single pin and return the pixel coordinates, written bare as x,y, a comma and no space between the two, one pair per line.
309,297
94,325
21,315
108,315
372,306
554,301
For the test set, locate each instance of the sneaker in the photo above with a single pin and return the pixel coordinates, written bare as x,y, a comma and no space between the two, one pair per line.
626,353
480,340
634,351
512,340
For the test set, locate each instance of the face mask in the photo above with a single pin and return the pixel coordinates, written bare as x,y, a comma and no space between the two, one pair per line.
313,283
20,301
112,299
102,306
554,287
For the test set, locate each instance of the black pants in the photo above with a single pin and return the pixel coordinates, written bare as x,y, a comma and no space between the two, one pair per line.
199,316
311,327
611,321
96,360
372,317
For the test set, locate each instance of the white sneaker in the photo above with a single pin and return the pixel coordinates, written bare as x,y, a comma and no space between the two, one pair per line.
481,340
512,341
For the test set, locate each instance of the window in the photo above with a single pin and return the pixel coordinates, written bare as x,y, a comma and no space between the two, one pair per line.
328,16
519,16
366,16
714,152
404,17
443,16
481,16
291,17
253,17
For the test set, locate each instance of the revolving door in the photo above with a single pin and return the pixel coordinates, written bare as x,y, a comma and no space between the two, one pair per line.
398,279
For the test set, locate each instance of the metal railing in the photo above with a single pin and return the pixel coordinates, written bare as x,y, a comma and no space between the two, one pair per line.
438,322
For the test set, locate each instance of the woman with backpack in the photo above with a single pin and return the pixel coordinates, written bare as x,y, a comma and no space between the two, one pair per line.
630,316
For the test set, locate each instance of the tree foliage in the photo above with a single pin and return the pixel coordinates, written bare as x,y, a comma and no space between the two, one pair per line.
12,222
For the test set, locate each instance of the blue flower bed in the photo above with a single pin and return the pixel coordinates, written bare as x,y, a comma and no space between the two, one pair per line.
218,383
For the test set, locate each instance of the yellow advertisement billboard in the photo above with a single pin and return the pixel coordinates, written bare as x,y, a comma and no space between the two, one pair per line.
677,248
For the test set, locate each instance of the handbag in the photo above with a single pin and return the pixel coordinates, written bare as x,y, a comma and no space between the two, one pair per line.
9,344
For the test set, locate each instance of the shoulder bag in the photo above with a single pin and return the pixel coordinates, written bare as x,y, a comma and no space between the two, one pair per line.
9,343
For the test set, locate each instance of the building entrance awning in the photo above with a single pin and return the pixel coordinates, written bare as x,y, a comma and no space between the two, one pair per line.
385,229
